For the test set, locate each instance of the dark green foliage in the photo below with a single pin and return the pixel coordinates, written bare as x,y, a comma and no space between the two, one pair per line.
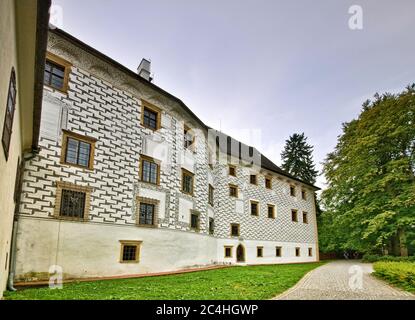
400,274
376,257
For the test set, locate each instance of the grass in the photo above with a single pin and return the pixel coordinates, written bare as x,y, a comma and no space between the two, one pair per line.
400,274
234,283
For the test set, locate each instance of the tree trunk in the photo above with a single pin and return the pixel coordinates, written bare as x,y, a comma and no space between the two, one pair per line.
395,250
402,243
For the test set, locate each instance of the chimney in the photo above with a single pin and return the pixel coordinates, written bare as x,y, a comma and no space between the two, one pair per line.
143,69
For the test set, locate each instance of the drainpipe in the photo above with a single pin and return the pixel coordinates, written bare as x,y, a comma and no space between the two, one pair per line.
27,156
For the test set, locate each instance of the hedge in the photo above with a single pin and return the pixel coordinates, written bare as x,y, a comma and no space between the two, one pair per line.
401,274
375,258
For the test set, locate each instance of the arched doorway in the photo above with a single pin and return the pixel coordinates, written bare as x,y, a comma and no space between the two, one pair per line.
240,253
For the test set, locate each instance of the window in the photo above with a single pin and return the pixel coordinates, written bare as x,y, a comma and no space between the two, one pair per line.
271,211
278,251
235,230
57,72
297,252
8,119
194,221
130,251
259,252
254,208
147,212
233,191
268,183
305,217
253,179
211,226
232,171
189,138
150,116
292,191
294,216
149,170
187,182
303,195
72,201
310,252
78,150
210,198
228,252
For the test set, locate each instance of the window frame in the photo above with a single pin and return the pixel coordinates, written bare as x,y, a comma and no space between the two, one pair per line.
211,226
191,175
147,201
296,215
60,186
135,243
230,251
303,194
305,215
230,168
66,134
310,252
192,146
256,179
293,190
237,190
259,249
268,178
141,171
297,252
9,115
251,202
54,59
211,198
194,213
273,211
239,230
278,251
154,109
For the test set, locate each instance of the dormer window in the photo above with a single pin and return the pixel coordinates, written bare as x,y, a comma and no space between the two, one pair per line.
150,116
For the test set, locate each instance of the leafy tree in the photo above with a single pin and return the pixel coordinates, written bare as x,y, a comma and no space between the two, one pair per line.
297,158
370,200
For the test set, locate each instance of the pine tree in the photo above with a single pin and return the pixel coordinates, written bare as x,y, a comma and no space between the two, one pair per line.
297,158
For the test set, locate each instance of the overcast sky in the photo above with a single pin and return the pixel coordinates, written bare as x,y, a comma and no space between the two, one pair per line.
274,67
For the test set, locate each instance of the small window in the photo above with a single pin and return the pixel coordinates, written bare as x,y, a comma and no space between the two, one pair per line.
297,252
150,170
211,226
150,116
187,182
254,208
235,230
268,183
9,117
146,214
303,194
294,215
130,251
72,201
305,217
194,221
189,138
278,251
57,72
210,195
310,252
253,179
260,252
232,171
292,191
228,252
77,150
271,211
233,191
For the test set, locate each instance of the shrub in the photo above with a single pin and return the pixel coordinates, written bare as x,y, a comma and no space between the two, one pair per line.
375,258
401,274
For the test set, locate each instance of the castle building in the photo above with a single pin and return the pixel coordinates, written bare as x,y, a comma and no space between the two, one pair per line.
130,181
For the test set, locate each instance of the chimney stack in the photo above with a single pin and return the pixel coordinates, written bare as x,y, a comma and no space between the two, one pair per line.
144,71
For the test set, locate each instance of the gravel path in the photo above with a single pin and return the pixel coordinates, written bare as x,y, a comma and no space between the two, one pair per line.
343,280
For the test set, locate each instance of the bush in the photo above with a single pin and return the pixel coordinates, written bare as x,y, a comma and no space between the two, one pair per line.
401,274
375,258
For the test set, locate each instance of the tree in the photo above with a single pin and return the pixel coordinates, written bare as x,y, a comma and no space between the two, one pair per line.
370,200
297,158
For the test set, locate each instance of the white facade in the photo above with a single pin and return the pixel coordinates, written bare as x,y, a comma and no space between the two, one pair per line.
105,102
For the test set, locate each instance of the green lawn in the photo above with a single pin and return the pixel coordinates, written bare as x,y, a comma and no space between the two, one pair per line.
244,283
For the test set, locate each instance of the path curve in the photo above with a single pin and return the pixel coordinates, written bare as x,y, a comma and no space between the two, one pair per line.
331,282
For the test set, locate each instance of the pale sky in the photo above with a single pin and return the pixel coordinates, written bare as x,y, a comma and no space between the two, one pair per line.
264,66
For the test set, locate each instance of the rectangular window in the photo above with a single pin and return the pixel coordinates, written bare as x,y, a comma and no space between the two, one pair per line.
254,208
292,191
271,211
150,170
189,138
211,226
78,150
146,214
187,182
303,195
268,183
235,230
233,191
150,116
278,251
194,221
228,252
310,252
297,252
232,171
305,217
294,216
210,200
72,201
259,252
10,109
130,251
57,72
253,179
